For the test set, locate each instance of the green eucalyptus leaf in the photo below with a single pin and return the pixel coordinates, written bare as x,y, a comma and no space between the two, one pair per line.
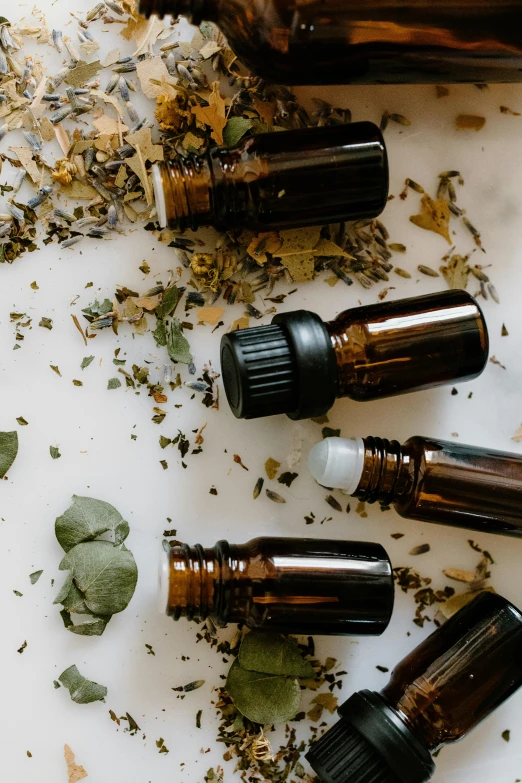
74,601
94,627
82,690
35,576
261,697
86,519
168,303
273,654
8,451
177,344
235,129
64,590
106,574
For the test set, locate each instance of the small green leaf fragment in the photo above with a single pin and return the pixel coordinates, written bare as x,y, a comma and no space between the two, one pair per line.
54,451
8,451
56,369
86,361
35,576
21,421
329,432
160,333
506,735
114,383
46,323
82,690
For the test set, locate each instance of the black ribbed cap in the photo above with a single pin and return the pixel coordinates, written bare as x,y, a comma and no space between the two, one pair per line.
370,744
286,367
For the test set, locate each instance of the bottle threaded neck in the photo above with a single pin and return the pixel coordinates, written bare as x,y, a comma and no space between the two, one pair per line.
381,474
191,582
185,186
163,7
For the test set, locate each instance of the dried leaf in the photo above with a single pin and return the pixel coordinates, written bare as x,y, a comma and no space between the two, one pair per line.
109,125
298,240
25,156
301,266
143,140
152,73
213,115
209,49
517,435
75,772
271,467
459,575
82,73
456,272
210,315
266,242
177,344
434,216
470,122
265,109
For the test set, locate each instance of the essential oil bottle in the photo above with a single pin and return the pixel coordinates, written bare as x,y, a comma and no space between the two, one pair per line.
299,364
286,585
295,178
427,479
450,683
365,41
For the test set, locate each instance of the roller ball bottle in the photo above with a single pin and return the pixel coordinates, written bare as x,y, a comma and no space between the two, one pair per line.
299,364
444,688
284,585
427,479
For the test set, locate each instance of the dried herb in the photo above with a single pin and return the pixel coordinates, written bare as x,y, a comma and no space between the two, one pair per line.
274,496
328,432
35,576
46,323
86,361
8,451
259,485
434,216
113,383
333,502
470,122
75,772
55,452
274,654
271,467
506,735
287,478
420,550
21,421
82,690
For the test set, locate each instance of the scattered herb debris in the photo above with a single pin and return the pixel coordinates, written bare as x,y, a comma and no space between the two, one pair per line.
274,496
35,576
506,734
259,484
21,421
75,772
420,550
55,452
22,648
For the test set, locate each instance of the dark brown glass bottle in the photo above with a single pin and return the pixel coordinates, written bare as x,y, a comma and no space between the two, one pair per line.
299,365
366,41
427,479
450,683
287,585
304,177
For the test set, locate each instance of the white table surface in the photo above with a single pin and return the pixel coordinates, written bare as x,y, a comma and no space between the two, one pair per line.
92,427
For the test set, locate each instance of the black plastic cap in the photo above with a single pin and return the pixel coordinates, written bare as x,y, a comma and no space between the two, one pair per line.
286,367
370,744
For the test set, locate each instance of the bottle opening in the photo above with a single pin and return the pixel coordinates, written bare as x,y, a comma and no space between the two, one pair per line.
159,196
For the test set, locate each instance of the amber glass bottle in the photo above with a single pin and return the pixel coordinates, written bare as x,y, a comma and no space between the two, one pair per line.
298,365
301,585
295,178
450,683
428,479
366,41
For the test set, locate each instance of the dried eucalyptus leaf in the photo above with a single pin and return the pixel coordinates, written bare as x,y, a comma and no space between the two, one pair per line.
263,698
82,690
74,601
35,576
160,333
272,653
86,519
8,451
106,575
64,590
177,344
